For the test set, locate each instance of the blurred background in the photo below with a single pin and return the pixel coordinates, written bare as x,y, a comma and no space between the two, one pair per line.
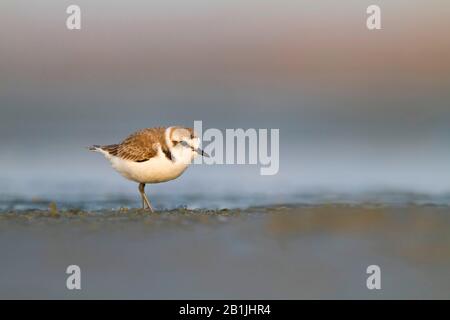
359,111
364,116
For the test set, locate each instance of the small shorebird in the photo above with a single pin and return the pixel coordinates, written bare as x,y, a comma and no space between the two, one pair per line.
153,155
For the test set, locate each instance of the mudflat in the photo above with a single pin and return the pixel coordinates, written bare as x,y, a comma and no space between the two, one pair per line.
271,252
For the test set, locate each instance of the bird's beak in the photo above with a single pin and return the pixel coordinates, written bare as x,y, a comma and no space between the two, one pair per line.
198,150
202,153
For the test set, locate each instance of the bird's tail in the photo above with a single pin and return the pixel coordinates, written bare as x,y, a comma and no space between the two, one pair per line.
95,147
108,150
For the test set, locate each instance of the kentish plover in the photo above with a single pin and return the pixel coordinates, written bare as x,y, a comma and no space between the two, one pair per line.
153,155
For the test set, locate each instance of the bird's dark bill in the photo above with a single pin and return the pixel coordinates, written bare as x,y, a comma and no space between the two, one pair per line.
202,153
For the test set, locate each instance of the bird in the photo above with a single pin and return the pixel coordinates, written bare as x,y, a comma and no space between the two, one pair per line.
153,155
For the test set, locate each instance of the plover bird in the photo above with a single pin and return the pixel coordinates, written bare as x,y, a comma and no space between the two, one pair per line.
153,155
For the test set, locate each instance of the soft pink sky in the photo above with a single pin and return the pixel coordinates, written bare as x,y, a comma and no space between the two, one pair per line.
143,41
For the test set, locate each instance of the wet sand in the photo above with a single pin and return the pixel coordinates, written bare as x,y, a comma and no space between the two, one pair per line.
281,252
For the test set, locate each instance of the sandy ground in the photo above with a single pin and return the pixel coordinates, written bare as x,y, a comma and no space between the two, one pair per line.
283,252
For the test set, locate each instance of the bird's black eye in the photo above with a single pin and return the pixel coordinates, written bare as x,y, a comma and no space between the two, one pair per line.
174,142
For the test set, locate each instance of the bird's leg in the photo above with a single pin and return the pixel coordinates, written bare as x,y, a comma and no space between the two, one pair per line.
149,206
142,191
145,201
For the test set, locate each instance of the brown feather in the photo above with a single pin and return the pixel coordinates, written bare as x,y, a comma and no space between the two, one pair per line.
140,146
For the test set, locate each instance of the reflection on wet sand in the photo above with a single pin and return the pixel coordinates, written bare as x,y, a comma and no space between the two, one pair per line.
261,252
416,233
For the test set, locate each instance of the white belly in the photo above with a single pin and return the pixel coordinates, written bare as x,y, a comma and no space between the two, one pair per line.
155,170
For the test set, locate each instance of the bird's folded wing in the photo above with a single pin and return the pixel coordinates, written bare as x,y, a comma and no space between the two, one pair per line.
141,145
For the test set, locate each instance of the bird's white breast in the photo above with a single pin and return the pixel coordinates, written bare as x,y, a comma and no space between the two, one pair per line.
157,169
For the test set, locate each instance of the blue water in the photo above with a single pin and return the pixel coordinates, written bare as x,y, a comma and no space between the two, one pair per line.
168,201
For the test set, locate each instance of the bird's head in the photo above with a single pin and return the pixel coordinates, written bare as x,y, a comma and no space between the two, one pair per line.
185,140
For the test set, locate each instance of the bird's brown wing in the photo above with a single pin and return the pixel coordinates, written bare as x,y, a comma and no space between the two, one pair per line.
140,146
